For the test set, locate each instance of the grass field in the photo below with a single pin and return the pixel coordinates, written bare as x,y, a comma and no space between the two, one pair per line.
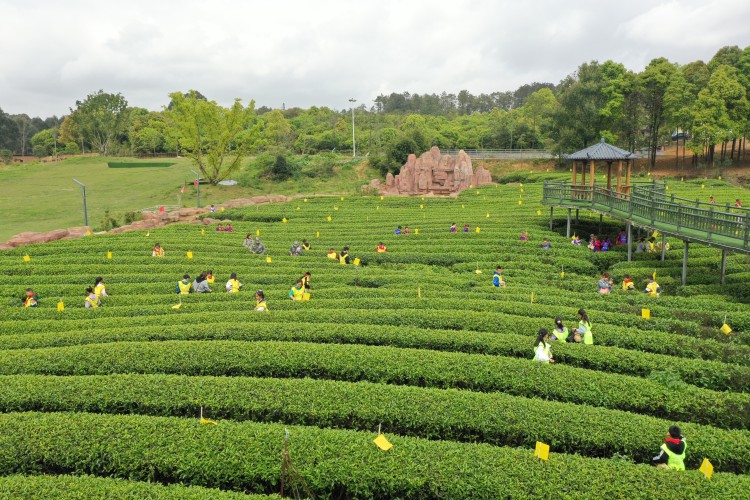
415,341
43,196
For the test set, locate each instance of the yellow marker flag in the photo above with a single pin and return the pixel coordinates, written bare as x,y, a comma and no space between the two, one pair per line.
148,233
177,306
284,220
416,231
342,198
719,177
329,218
268,259
655,234
305,200
562,274
298,208
539,212
382,442
478,229
189,255
726,329
521,184
26,258
257,232
520,202
382,198
646,313
462,206
356,261
335,208
207,421
419,293
707,468
60,306
654,275
541,451
88,233
532,297
109,255
317,234
488,215
422,198
703,186
421,206
221,208
522,190
682,179
477,191
666,188
203,232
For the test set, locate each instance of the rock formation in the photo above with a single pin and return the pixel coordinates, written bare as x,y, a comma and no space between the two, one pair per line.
434,173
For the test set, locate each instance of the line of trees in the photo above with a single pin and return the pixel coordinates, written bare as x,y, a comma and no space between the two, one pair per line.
709,103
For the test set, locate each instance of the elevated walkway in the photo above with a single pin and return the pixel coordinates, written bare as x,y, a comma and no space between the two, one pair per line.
647,205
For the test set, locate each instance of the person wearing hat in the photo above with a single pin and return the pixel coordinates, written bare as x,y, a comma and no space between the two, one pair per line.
672,453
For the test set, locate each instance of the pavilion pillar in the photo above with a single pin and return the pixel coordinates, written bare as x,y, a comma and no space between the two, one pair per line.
574,191
619,176
591,172
627,178
583,174
609,176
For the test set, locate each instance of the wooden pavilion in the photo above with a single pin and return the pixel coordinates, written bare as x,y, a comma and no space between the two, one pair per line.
602,153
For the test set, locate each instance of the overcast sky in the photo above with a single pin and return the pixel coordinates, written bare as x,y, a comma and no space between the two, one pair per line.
323,52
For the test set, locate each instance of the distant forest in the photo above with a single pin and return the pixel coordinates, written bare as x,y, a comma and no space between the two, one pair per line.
704,105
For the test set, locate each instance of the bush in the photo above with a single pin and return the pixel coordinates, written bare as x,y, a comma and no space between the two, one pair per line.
6,155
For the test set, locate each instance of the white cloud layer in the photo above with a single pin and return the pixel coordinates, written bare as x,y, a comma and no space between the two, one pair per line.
304,53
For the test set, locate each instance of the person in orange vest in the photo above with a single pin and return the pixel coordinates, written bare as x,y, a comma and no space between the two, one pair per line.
158,251
381,248
30,299
92,301
672,454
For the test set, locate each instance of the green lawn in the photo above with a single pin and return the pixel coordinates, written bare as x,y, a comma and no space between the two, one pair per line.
43,196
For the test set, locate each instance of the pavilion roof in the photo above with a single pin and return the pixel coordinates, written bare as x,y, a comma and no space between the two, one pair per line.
601,151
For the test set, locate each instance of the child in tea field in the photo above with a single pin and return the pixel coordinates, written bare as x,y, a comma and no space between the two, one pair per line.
297,292
184,286
233,285
560,332
583,332
543,352
497,277
210,277
92,301
344,256
30,299
605,284
453,228
546,245
332,254
672,452
652,288
524,236
158,251
627,284
260,301
99,288
380,248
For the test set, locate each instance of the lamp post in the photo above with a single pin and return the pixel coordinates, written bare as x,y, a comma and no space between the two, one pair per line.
354,144
85,212
197,185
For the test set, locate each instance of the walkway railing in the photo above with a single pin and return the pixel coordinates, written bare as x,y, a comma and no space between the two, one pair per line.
648,204
503,154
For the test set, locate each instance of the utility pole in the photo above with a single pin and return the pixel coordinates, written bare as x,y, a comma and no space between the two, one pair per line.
354,144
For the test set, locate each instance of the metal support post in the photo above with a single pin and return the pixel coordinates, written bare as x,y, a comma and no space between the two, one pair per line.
85,212
567,233
723,266
684,264
630,241
663,247
551,209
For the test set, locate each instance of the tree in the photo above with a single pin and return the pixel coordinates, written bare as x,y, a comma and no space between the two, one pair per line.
44,143
25,131
8,132
100,118
653,82
539,106
216,139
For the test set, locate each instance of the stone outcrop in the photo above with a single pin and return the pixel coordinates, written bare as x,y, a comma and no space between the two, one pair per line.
435,173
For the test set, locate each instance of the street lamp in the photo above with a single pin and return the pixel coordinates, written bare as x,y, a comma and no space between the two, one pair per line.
354,144
197,185
85,212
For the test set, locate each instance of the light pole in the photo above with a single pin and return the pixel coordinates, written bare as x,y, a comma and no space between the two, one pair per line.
85,212
354,144
197,185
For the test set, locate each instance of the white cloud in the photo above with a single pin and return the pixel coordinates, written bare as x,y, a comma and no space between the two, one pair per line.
304,53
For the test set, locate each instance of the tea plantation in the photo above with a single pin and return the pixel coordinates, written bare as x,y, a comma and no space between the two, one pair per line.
416,342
